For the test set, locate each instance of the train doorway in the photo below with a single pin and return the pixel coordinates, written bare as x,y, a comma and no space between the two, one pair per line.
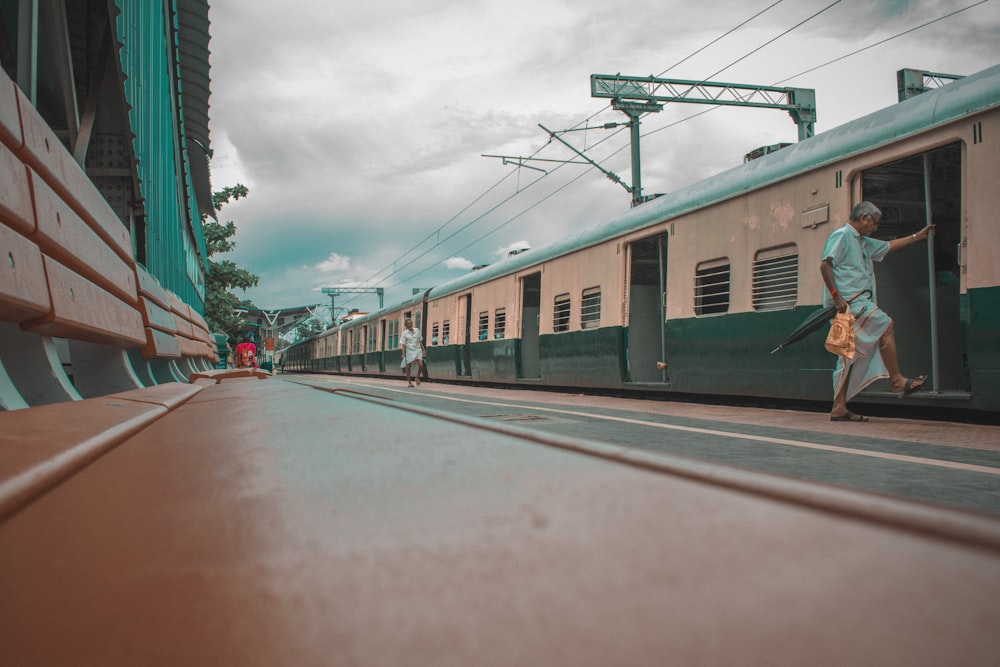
920,286
645,333
381,345
465,330
529,367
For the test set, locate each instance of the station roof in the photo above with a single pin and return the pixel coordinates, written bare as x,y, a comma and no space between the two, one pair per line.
193,37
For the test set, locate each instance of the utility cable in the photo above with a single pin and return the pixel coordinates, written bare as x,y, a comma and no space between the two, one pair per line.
499,182
575,179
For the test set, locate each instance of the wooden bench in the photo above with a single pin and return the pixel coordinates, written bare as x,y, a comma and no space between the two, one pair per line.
78,317
196,344
43,446
217,375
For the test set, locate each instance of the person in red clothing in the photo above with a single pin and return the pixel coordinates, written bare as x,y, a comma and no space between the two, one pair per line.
246,355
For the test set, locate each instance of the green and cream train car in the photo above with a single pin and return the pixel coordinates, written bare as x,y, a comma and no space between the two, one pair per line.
710,278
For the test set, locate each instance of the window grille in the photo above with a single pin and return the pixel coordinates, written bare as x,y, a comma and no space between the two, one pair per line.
484,325
711,287
434,333
560,314
500,323
590,308
393,334
445,332
776,278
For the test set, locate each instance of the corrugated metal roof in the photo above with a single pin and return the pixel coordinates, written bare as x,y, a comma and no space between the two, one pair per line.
193,38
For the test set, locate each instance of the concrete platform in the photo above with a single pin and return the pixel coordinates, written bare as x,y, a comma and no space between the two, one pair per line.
271,523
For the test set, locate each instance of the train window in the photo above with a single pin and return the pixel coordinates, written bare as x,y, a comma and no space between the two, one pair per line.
590,308
393,334
445,332
711,287
560,314
500,323
776,278
343,343
484,325
434,333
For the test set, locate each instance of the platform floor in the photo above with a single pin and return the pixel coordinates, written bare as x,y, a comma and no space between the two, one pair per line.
269,523
947,463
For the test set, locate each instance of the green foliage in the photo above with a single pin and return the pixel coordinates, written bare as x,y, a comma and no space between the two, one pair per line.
220,303
309,328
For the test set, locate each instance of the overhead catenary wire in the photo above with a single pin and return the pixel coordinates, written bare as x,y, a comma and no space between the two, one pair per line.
394,264
609,137
521,191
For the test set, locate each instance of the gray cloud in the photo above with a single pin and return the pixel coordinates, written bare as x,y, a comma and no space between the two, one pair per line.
359,126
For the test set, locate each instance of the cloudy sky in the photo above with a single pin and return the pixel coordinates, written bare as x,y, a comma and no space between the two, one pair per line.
359,127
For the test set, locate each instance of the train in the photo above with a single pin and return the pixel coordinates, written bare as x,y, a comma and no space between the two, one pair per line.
709,279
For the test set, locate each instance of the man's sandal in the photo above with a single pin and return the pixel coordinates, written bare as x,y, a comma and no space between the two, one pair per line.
913,384
848,417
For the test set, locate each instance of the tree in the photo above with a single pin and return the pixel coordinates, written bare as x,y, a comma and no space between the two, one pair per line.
309,328
220,303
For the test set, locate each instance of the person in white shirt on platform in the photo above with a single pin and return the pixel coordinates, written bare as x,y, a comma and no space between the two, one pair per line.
412,345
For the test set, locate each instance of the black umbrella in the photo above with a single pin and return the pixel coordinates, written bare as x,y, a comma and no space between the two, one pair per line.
811,324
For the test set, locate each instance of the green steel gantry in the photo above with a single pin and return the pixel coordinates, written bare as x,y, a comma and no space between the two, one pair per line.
334,292
912,82
635,95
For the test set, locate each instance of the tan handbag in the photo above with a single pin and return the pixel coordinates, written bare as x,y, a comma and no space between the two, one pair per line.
840,340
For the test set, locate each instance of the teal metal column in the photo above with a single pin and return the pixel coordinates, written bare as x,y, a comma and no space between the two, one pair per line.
636,162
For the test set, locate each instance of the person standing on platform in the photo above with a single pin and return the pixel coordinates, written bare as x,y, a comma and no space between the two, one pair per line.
848,272
412,345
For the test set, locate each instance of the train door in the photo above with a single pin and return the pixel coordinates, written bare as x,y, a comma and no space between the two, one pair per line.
364,348
381,345
645,333
529,367
464,330
919,286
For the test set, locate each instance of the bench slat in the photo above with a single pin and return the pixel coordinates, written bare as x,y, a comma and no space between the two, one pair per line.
82,310
43,151
10,118
15,193
192,348
160,345
45,444
156,317
150,287
64,236
22,278
184,328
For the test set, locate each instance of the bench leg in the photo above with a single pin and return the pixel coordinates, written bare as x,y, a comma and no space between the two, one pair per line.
186,366
140,367
163,371
99,370
34,367
175,370
10,398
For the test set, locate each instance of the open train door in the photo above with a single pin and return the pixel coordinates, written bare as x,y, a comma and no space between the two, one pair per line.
645,329
920,286
528,364
465,331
